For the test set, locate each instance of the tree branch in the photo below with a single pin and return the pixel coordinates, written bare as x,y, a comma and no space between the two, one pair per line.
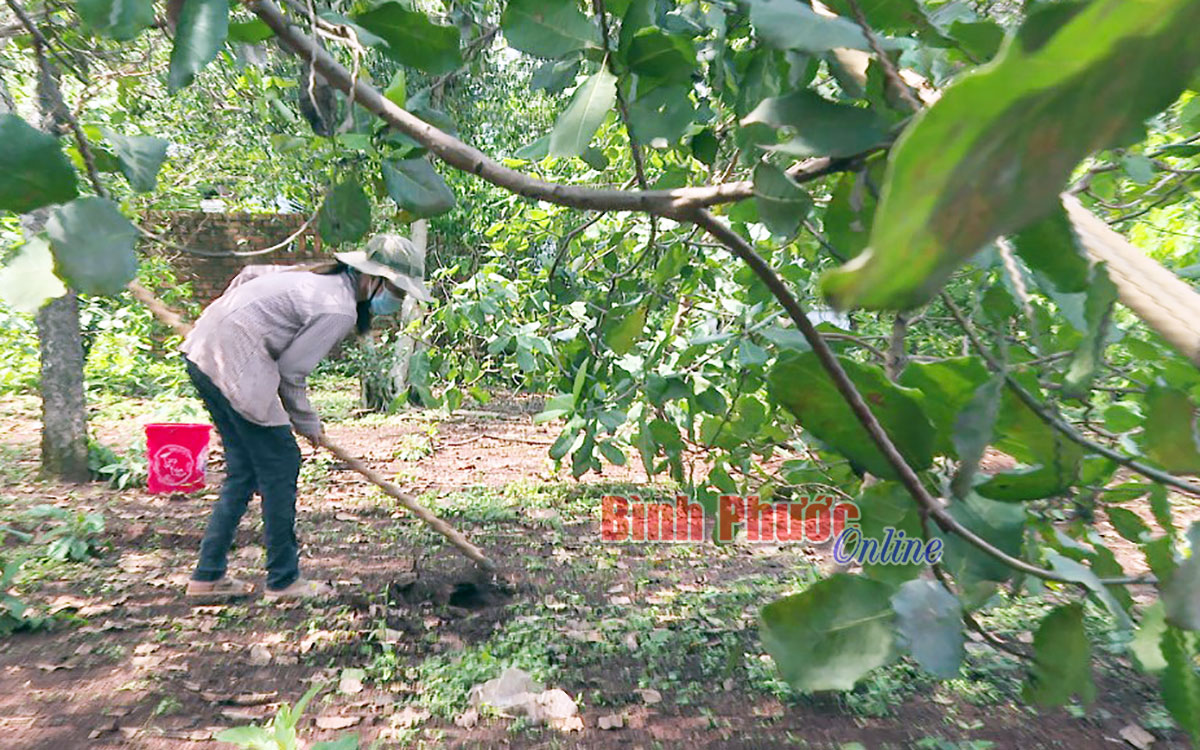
929,505
670,203
1069,432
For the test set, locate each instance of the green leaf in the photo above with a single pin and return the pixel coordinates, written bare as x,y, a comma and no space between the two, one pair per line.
397,90
980,39
948,385
547,28
34,172
661,117
1139,168
534,150
1145,643
705,147
253,31
612,453
639,15
594,158
849,215
1170,430
832,634
1050,248
885,15
993,153
1001,524
412,39
553,76
1061,659
1180,684
417,187
973,432
1089,354
27,282
583,116
785,338
929,619
782,204
886,506
139,156
800,383
1077,571
622,335
657,55
121,20
1181,594
349,742
789,24
199,35
1022,485
1120,418
815,126
345,214
1128,524
93,246
251,737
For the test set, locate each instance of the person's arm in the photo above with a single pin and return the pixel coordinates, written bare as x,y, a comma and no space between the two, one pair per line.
308,348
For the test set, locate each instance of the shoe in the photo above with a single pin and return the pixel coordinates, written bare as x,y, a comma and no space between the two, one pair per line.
301,588
223,588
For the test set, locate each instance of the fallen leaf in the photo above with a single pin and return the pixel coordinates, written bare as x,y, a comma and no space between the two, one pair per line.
149,661
95,610
145,648
337,722
194,735
60,603
241,714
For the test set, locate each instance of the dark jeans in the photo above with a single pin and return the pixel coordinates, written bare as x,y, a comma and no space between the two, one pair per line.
260,458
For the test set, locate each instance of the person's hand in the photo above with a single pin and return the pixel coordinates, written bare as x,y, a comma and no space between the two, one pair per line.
314,438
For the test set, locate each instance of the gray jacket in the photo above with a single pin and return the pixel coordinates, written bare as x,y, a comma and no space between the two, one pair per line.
261,338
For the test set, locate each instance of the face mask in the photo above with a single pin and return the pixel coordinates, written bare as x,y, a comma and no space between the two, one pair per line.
383,302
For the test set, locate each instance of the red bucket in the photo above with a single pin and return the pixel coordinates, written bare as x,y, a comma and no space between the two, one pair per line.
177,455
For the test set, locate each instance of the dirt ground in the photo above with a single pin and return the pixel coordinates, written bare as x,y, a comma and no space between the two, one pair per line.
661,636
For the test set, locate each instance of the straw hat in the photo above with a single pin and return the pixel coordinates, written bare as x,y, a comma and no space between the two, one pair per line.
394,258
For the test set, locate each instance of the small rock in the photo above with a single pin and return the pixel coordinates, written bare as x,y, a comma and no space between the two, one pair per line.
1136,736
260,656
410,717
351,681
467,719
650,696
612,721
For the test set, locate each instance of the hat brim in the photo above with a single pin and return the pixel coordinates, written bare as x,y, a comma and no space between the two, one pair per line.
357,259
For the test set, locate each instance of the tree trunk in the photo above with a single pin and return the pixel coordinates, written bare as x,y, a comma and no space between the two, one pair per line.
406,345
64,410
